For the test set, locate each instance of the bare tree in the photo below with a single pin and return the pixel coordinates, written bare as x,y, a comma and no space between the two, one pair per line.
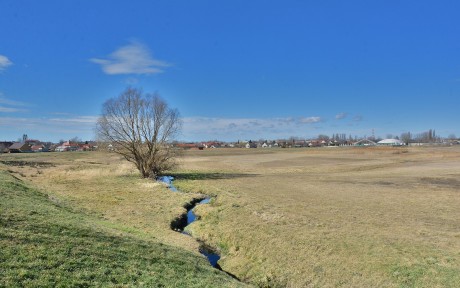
75,140
406,137
140,127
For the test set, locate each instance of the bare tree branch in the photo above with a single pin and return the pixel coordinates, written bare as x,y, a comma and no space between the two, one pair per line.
140,128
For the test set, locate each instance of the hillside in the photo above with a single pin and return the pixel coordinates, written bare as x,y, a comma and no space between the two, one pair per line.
43,243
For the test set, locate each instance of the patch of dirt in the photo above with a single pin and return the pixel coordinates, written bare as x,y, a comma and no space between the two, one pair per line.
27,163
384,183
445,182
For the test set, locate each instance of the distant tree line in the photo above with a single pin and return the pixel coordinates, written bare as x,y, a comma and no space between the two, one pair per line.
428,136
424,137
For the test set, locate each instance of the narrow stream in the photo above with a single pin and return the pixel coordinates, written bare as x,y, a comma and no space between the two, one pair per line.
180,223
168,180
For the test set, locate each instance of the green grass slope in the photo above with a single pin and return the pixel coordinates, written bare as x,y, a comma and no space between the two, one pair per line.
43,244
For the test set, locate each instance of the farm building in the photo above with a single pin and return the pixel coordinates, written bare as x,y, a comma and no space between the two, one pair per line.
364,142
4,146
391,142
19,147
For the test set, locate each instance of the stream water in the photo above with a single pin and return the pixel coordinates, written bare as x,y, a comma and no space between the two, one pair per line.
187,219
168,180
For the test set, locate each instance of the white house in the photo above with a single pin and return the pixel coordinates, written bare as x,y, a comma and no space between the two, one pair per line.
391,142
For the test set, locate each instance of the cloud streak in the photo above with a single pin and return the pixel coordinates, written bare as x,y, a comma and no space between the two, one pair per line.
52,123
4,100
341,116
202,128
311,120
63,125
5,105
45,128
4,62
11,110
134,58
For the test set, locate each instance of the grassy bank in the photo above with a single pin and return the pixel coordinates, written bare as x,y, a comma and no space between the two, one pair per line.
49,240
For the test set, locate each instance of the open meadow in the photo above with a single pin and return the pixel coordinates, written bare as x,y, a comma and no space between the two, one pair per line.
352,217
326,217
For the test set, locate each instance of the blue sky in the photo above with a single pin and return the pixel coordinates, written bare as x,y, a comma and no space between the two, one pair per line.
234,69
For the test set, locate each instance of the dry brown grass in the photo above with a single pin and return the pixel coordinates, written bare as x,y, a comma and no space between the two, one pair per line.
52,241
107,186
360,217
350,217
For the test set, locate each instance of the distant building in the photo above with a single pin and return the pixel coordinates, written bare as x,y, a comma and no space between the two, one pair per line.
38,148
4,146
19,147
187,146
365,142
390,142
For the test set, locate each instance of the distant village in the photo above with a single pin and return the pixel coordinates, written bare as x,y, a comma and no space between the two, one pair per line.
308,143
32,145
26,145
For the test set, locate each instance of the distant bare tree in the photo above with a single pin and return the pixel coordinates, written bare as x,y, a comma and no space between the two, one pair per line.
406,137
75,140
140,127
323,137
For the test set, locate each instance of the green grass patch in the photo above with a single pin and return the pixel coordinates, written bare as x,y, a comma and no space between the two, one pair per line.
422,275
48,245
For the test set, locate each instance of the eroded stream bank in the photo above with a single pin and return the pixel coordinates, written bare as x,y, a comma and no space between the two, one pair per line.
180,223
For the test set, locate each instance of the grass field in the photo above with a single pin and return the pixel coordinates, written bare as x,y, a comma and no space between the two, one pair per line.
78,234
338,217
351,217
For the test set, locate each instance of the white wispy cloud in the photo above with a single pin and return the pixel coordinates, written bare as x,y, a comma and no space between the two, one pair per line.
340,116
4,62
48,128
65,126
134,58
358,118
75,120
11,110
202,128
311,120
6,101
11,106
82,122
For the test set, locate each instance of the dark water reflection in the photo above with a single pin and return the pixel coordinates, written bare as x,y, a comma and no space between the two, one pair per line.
210,254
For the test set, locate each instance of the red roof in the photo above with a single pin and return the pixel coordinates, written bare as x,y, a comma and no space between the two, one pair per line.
186,145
